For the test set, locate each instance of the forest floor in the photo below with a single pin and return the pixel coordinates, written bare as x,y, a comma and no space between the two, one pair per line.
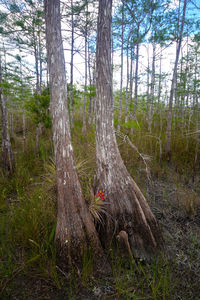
174,275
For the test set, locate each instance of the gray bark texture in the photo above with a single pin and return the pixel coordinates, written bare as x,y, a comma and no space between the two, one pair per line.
127,209
75,231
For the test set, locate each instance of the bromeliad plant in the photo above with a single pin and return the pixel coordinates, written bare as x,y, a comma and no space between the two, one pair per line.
97,205
101,194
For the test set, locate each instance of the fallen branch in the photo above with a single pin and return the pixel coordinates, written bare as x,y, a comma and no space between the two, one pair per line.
144,158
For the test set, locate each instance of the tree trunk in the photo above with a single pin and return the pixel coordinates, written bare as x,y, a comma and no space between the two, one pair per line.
148,71
90,83
122,64
127,210
23,106
169,121
35,45
40,60
72,69
86,75
75,230
160,79
8,163
127,80
38,90
131,80
196,166
152,88
136,74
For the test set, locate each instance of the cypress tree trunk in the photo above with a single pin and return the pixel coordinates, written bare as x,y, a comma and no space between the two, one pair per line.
75,229
127,210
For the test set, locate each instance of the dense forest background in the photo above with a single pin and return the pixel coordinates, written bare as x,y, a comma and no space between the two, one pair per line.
156,90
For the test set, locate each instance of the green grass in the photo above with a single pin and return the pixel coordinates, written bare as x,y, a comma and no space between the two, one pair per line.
28,216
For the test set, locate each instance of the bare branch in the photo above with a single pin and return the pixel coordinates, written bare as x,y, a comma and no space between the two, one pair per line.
142,156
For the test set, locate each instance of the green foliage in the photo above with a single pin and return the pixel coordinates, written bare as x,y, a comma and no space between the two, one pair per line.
3,17
136,280
19,23
76,97
132,124
14,8
38,106
91,91
28,220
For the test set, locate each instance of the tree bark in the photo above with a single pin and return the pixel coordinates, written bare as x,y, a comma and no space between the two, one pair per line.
8,162
127,209
75,230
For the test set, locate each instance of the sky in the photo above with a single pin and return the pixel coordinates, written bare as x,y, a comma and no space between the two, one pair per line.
167,60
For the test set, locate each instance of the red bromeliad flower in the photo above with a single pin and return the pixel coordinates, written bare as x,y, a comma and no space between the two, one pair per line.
101,194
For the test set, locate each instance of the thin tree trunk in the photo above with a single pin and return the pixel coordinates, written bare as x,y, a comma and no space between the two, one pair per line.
86,75
122,65
148,70
36,62
136,74
127,81
94,99
8,162
177,35
72,69
169,121
160,79
127,210
90,82
196,166
40,61
131,79
152,88
75,230
23,108
38,129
